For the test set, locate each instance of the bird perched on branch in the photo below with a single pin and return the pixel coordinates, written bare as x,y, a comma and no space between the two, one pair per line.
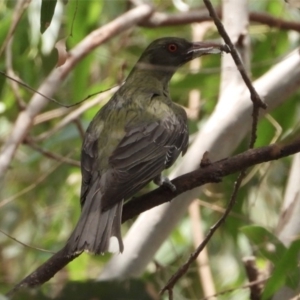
131,140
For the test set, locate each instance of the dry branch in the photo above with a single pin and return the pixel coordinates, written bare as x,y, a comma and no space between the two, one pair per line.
211,173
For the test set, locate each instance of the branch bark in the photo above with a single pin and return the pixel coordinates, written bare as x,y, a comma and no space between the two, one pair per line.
220,137
160,19
211,173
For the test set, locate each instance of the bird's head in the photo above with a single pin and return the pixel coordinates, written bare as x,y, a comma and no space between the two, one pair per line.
169,53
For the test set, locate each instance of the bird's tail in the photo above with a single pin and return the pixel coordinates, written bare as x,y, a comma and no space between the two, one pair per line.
95,228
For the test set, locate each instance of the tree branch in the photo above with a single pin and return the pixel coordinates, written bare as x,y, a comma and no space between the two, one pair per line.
53,81
221,134
211,173
160,19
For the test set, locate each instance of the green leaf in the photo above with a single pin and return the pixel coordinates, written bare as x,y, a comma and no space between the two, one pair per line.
286,272
47,12
267,243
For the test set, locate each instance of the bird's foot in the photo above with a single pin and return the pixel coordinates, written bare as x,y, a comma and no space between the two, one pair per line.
164,181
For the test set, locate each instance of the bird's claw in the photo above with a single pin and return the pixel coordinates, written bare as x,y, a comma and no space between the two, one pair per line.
164,181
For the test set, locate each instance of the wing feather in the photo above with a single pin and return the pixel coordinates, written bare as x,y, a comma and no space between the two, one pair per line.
89,155
142,154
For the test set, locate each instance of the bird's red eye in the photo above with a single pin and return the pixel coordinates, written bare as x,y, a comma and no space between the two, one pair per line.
172,48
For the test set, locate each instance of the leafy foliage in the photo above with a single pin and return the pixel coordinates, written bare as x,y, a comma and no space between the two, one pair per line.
39,203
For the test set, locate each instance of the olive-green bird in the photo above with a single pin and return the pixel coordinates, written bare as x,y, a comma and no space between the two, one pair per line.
132,139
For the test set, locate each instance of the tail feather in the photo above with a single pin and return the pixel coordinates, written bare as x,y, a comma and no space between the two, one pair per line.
95,227
116,226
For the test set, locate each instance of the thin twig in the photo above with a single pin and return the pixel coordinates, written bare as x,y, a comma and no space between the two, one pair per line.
28,87
25,245
255,98
53,81
52,155
257,104
73,115
254,95
184,268
212,173
246,286
33,185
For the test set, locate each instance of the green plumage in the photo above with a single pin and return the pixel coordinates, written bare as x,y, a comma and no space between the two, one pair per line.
132,139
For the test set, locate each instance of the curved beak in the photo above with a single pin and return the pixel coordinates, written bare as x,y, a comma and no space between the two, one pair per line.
202,48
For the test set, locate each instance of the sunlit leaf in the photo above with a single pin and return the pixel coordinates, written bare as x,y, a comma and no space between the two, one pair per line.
265,242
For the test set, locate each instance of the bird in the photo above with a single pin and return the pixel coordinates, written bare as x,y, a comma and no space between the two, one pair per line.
132,139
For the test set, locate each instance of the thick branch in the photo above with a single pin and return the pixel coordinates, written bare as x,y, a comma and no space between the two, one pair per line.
211,173
160,19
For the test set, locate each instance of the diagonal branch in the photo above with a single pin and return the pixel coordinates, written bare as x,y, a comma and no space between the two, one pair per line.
211,173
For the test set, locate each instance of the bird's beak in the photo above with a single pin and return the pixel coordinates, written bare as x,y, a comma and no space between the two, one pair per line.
202,48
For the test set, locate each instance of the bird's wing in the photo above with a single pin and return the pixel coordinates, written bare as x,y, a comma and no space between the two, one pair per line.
89,154
143,153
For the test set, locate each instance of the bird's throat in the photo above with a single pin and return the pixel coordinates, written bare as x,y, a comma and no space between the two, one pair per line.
149,79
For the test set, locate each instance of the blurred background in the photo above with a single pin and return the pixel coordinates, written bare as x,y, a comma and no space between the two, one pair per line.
40,177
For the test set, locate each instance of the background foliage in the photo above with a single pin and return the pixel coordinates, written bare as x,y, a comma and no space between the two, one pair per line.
39,203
